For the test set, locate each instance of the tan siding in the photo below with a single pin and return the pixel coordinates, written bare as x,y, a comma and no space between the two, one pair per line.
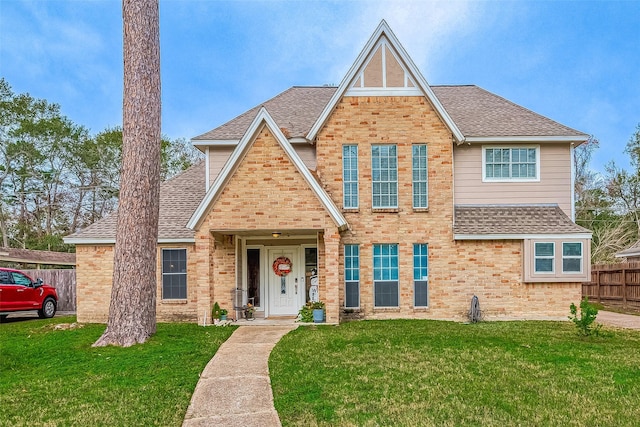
373,73
218,156
554,185
395,72
307,153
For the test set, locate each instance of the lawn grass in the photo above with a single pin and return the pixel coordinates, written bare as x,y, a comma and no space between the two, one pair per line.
421,373
55,378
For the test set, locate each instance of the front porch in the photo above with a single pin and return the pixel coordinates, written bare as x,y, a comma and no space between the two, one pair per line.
276,271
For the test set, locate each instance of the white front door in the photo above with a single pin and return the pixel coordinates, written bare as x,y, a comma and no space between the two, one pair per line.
284,290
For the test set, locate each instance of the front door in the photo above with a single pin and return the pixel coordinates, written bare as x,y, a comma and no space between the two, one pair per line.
283,287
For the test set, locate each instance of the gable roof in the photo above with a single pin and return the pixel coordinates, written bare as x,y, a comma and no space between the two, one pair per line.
263,118
179,197
488,222
481,114
384,32
295,110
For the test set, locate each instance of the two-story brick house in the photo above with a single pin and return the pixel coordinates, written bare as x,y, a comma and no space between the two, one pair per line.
406,199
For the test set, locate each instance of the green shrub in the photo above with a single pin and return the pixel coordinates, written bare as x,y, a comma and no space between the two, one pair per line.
305,314
585,321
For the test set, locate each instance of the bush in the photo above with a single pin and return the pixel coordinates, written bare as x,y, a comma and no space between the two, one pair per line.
585,322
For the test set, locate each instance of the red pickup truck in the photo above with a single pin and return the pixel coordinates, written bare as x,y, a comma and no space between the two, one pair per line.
19,292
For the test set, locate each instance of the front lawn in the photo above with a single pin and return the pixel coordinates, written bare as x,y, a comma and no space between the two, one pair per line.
54,377
421,373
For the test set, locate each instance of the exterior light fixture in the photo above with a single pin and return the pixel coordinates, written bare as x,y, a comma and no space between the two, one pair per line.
276,234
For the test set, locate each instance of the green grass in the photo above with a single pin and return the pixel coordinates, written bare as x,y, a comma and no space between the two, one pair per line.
421,373
55,378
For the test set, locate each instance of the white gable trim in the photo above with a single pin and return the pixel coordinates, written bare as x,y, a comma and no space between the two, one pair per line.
383,30
263,118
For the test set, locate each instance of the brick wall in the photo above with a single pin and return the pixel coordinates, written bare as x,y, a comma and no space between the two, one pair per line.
266,193
457,270
94,278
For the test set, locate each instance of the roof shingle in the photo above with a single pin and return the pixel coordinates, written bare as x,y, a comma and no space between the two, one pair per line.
513,220
179,198
476,112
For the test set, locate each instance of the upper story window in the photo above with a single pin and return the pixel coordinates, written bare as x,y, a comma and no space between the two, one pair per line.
511,163
350,176
420,185
384,176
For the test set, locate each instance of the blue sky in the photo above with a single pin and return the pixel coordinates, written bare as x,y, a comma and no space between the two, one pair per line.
577,62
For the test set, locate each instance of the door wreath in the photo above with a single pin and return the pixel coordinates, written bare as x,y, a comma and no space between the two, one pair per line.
282,266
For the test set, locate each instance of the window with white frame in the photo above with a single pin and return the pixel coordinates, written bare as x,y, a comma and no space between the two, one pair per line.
511,163
384,176
352,276
174,273
544,257
571,257
385,275
420,185
350,176
420,275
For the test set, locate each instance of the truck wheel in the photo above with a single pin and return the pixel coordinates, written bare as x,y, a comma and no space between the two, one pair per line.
48,309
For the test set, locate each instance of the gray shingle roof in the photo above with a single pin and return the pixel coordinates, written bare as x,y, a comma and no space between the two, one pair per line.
513,219
633,250
480,113
179,198
294,110
476,112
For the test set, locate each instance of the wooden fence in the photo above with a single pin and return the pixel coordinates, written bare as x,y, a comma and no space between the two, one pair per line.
614,284
65,283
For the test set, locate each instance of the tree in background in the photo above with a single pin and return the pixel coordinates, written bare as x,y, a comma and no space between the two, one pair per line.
55,178
132,313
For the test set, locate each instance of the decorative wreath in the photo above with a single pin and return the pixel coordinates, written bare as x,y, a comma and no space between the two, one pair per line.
282,266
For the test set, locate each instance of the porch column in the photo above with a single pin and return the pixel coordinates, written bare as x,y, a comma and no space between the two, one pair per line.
202,279
331,295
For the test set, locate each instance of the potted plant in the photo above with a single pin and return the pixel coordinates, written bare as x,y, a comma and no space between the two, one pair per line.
215,311
318,311
223,314
248,311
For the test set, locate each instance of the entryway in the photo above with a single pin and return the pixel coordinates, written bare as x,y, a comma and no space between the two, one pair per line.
277,275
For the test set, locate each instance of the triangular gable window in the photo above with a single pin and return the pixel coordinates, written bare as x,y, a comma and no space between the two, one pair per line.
381,73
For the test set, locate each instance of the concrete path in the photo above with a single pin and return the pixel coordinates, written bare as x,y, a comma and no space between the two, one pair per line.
234,388
619,320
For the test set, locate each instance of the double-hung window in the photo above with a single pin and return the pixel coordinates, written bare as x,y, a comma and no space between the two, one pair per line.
350,176
352,276
420,275
174,274
572,257
420,187
385,275
384,176
511,163
544,256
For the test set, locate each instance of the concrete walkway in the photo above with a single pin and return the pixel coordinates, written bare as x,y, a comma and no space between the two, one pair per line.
619,320
234,388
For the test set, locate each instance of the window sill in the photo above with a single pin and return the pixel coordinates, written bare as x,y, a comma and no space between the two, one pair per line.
387,309
173,301
385,210
421,209
351,210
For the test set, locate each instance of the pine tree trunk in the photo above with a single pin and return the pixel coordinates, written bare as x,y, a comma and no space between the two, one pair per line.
132,313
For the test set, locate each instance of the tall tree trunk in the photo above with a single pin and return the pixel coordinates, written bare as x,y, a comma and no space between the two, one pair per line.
132,313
